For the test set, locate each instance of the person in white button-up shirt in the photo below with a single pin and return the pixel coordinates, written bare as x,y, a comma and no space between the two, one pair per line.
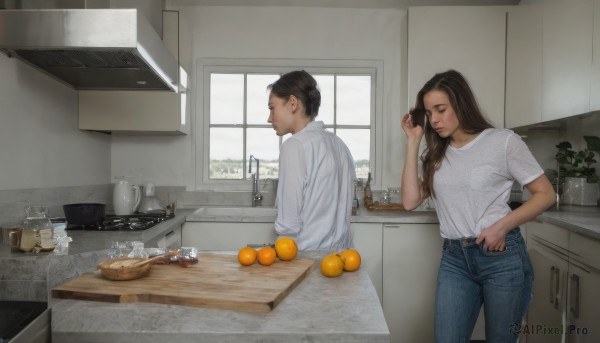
316,169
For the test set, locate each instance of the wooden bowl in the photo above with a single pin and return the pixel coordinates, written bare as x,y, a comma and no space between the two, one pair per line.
121,269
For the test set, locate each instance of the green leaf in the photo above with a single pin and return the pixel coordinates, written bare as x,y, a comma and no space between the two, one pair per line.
564,145
593,143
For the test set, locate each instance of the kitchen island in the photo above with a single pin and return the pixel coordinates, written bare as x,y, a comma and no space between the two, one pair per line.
319,309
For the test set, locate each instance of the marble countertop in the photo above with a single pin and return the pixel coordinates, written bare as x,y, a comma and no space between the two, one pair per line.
85,241
319,309
582,219
268,214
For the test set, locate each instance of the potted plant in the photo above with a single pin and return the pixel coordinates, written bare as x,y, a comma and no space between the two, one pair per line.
580,182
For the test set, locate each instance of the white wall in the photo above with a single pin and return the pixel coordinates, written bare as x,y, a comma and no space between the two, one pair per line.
40,144
279,32
542,142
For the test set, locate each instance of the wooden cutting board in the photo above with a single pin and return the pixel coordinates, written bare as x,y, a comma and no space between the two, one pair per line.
216,281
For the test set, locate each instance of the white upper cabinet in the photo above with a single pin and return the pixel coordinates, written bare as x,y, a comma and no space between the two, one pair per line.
524,65
595,82
145,112
469,39
567,57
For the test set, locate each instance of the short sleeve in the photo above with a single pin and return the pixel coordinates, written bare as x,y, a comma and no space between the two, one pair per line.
521,164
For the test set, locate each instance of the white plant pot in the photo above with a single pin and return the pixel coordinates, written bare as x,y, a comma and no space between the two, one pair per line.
576,191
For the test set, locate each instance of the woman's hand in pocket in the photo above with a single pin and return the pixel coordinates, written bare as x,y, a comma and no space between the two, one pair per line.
492,238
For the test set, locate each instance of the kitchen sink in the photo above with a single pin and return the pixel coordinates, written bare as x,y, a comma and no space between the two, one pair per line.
236,211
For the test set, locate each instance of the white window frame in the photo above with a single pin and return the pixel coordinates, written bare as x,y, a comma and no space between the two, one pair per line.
206,66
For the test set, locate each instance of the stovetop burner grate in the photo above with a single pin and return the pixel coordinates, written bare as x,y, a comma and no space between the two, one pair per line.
133,222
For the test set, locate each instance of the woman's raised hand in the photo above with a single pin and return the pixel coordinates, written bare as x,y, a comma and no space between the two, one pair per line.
411,130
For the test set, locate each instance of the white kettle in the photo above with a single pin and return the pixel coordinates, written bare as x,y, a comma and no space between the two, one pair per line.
126,197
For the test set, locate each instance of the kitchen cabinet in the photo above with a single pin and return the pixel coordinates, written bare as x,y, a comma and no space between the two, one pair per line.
171,238
411,257
368,238
227,236
524,65
584,282
145,112
582,309
567,277
547,248
567,56
469,39
595,75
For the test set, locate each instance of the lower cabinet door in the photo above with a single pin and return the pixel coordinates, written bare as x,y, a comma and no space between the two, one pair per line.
544,316
411,257
583,324
367,239
226,236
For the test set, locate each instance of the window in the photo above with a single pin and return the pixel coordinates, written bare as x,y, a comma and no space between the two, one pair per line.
236,116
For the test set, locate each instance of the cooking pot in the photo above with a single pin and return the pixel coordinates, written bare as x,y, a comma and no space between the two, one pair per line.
84,214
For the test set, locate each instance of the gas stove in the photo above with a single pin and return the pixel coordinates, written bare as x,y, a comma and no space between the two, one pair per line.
132,222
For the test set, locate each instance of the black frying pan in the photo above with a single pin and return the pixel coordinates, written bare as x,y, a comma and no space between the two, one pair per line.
84,214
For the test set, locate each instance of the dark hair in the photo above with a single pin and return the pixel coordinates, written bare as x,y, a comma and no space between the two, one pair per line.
469,116
301,85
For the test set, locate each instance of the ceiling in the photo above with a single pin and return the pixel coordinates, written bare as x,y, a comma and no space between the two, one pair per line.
461,2
17,4
345,3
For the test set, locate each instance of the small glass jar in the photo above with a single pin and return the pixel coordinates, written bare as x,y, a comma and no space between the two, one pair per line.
188,256
138,250
395,195
37,230
385,197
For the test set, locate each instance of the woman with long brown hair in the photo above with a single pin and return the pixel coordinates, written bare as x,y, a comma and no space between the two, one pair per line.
468,169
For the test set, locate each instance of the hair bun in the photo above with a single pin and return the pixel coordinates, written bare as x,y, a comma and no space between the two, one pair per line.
313,101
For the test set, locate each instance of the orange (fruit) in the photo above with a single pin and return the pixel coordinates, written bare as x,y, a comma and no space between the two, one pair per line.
286,248
266,256
247,256
332,265
351,259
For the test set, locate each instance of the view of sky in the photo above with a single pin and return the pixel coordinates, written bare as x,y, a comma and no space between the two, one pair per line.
227,107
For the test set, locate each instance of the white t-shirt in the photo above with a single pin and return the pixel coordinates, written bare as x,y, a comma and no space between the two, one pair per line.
315,189
472,186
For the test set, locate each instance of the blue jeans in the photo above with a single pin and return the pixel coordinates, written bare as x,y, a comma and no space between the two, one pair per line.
469,277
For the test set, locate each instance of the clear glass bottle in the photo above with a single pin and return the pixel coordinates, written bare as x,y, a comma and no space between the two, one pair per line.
368,193
37,229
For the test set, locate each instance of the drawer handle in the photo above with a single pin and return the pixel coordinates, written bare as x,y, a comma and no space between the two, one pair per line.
169,233
552,293
574,297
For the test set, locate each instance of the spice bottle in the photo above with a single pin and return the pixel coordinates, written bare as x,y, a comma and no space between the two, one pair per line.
368,193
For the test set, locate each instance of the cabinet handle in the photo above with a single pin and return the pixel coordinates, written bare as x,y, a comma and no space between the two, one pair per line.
552,293
557,288
169,233
554,286
574,297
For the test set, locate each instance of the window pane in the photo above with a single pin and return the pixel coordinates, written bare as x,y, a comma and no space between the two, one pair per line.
353,100
226,148
359,143
325,83
258,98
264,145
226,98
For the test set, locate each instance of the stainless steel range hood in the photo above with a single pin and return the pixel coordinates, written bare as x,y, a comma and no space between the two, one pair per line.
91,49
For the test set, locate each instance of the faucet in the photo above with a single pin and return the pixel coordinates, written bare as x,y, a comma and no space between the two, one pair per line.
256,196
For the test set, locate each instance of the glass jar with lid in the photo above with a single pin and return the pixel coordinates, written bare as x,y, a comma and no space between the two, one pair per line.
37,229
